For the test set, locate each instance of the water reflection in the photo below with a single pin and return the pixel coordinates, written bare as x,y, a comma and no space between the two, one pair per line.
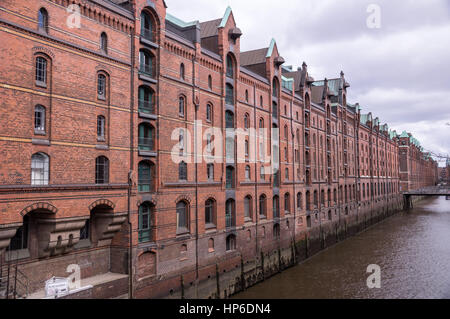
412,249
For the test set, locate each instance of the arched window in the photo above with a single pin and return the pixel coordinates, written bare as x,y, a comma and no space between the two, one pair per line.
262,205
146,211
145,176
182,217
146,103
261,101
248,207
146,137
275,88
247,172
39,169
229,177
101,86
210,207
229,119
104,42
41,71
181,106
299,201
230,67
100,128
231,242
286,173
276,231
146,63
229,94
286,132
182,171
146,26
246,96
308,201
209,112
261,173
230,216
101,170
39,119
287,203
246,121
43,20
210,82
182,71
246,148
276,206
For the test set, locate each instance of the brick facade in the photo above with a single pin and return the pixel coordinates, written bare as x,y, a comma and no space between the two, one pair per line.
125,97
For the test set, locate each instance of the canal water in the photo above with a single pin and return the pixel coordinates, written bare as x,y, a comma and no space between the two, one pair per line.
412,249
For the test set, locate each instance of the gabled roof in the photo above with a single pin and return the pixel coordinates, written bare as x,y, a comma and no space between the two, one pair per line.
254,56
404,134
210,28
179,22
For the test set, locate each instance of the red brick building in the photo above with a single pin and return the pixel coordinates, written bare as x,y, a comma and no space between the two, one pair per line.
98,104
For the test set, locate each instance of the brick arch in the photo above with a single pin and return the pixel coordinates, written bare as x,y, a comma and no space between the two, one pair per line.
99,202
151,201
39,205
185,198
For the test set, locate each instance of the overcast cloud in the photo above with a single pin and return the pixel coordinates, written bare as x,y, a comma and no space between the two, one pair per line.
400,71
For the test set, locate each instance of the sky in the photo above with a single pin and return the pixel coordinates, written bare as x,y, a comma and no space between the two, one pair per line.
394,53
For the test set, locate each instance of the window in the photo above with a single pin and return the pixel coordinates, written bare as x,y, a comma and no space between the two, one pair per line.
248,207
181,142
276,231
276,206
229,177
20,239
210,171
247,173
229,94
262,205
209,212
182,171
39,169
100,128
231,242
145,169
229,119
210,82
229,213
275,88
287,202
145,140
41,71
181,106
101,170
146,26
39,119
85,231
246,96
104,42
286,173
209,112
230,71
146,63
43,20
146,100
261,173
182,71
182,217
101,86
145,222
299,201
246,121
261,101
246,148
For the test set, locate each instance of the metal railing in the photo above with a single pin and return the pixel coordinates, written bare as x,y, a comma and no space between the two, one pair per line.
146,107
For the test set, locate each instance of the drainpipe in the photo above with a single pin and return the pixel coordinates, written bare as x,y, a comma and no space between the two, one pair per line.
130,181
196,106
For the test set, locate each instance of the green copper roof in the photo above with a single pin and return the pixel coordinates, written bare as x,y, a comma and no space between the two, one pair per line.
404,134
363,119
376,122
270,50
225,17
179,22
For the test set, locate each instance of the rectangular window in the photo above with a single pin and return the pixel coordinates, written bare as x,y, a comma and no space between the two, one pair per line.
41,70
